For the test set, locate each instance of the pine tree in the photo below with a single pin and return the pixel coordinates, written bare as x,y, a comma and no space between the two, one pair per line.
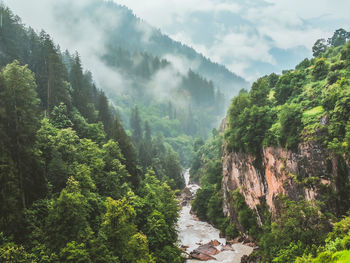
135,124
104,112
128,150
19,122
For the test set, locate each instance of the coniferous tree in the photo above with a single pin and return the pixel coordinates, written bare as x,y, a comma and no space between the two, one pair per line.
104,112
135,124
19,122
128,150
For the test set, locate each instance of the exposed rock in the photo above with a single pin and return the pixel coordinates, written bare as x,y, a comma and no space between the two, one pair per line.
184,248
227,247
200,256
248,239
214,243
205,252
185,196
237,240
249,259
207,249
278,171
250,244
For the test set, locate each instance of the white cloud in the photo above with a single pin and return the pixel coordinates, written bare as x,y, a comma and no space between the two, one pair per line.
267,24
161,13
257,26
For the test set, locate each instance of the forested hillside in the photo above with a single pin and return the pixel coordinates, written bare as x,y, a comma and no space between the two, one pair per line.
131,33
74,186
283,175
180,93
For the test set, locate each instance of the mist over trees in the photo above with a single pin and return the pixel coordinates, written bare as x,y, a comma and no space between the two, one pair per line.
75,186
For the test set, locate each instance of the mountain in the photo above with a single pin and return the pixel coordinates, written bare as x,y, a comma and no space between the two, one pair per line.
179,93
280,169
75,187
111,25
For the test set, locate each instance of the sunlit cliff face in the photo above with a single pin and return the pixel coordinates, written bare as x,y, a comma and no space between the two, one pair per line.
277,175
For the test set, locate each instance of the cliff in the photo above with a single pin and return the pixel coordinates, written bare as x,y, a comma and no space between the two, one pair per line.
306,173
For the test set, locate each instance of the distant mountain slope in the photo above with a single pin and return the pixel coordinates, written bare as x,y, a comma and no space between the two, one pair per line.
123,29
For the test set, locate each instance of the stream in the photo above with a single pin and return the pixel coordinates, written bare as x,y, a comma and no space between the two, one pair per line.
193,232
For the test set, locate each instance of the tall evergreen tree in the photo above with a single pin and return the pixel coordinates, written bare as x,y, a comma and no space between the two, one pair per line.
19,122
128,150
104,112
135,124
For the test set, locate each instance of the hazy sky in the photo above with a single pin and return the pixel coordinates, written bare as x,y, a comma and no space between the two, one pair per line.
250,37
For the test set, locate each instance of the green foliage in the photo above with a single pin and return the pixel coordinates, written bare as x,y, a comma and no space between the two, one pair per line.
12,253
336,248
319,47
288,85
339,38
320,70
298,225
74,252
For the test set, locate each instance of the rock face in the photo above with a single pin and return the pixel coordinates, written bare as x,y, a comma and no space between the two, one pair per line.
279,171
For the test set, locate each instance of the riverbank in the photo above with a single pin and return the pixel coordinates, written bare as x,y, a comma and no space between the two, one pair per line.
194,233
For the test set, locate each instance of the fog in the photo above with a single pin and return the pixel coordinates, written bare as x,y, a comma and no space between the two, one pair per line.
73,28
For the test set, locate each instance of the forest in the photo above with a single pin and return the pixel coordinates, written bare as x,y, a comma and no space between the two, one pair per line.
310,103
92,160
75,185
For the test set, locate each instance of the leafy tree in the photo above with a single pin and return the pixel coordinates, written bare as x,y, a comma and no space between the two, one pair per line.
259,91
59,117
339,37
74,252
320,70
290,119
67,218
319,47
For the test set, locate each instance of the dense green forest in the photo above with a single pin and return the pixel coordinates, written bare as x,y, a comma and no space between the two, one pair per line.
74,185
178,104
180,93
310,103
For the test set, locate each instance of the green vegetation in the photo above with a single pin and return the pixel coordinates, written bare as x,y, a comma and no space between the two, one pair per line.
207,169
307,104
74,186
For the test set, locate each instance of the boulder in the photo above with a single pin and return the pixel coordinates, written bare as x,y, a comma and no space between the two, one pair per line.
184,248
207,249
214,243
227,247
200,256
237,240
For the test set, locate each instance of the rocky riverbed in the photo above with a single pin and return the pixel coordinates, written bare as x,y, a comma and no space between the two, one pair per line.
200,240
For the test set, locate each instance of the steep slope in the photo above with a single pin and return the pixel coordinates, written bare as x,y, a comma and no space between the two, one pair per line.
178,92
73,187
285,160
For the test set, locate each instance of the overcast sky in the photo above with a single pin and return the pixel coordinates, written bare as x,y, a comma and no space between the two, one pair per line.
250,37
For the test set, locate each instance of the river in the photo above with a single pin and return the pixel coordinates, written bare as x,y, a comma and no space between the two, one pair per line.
193,232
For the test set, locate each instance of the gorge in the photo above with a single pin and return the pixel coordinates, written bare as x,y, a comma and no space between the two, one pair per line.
194,234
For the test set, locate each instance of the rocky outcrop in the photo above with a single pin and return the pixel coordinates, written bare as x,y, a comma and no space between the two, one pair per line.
278,171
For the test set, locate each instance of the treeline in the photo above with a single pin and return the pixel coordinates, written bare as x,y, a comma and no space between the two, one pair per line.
186,110
193,97
308,103
73,185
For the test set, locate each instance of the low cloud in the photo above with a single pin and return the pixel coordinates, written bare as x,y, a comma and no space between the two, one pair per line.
243,32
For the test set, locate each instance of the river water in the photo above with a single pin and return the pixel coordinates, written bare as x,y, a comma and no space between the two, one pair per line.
193,232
